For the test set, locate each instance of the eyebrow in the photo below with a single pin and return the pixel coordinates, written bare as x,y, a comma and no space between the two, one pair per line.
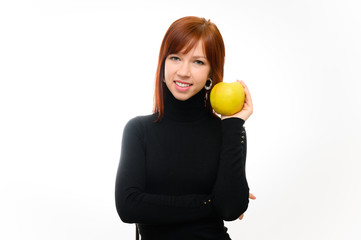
192,57
199,57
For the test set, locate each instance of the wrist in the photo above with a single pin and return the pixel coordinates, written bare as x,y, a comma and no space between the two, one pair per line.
223,117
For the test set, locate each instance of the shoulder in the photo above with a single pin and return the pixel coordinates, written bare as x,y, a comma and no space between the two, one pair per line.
139,123
144,119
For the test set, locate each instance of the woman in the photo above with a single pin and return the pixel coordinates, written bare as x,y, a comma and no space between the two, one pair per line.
182,168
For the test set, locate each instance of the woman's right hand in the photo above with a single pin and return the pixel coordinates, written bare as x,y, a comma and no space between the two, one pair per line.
251,196
247,109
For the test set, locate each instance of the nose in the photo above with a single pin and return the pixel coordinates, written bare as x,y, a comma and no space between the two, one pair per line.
184,70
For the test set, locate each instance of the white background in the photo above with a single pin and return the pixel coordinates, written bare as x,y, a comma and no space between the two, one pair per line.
74,72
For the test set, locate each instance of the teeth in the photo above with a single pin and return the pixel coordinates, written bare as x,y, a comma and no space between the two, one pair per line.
182,84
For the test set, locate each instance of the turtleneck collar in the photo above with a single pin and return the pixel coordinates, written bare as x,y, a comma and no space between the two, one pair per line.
189,110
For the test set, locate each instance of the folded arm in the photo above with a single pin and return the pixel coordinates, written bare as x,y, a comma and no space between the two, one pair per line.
134,204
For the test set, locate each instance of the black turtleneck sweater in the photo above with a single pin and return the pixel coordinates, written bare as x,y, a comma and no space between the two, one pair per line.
179,178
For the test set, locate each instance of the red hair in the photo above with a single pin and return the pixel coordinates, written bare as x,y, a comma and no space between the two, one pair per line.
184,34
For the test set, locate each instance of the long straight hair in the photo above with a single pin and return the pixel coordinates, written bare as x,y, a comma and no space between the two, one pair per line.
183,35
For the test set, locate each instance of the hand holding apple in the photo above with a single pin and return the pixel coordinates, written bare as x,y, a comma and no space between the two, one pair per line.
239,106
227,98
247,109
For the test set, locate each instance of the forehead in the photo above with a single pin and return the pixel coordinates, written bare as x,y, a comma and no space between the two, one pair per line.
194,48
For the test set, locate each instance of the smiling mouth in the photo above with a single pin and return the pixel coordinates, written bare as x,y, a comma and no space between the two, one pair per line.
180,84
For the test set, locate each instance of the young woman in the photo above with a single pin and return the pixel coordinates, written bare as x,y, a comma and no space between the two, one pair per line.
182,168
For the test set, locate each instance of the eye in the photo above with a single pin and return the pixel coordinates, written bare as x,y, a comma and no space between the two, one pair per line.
199,62
174,58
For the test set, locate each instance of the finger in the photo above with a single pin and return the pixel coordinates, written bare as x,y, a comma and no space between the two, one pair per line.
246,91
251,196
241,217
241,82
248,99
244,85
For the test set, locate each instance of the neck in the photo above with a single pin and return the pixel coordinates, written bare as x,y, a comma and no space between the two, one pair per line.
184,111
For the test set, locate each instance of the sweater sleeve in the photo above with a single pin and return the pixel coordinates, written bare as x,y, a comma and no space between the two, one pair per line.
134,204
231,191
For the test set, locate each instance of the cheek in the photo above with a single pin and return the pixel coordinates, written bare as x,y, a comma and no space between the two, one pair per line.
203,76
167,71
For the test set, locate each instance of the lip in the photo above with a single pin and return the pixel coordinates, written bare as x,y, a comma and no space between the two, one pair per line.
182,89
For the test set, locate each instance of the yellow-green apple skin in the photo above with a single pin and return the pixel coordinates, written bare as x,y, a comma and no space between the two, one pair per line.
227,98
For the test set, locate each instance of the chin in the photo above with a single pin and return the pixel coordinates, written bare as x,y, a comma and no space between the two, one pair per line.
182,97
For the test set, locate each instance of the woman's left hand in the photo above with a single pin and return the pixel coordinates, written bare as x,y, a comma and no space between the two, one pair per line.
251,196
247,108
